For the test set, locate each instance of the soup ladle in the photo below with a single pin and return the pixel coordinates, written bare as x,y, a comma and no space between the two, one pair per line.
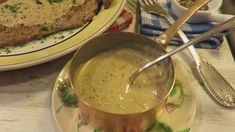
221,27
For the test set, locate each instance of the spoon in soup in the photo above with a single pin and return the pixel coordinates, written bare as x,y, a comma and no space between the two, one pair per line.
219,28
170,32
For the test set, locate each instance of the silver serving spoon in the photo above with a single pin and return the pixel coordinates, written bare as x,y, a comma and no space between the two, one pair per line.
228,97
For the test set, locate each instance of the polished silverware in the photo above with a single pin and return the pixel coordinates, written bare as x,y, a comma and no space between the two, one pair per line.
215,83
165,37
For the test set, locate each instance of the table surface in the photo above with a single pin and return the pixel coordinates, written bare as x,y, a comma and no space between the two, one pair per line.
25,94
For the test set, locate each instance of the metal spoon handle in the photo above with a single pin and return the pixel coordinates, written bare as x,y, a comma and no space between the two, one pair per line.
221,27
170,32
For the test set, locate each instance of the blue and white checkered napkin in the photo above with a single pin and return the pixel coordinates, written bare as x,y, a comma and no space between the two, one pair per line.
153,26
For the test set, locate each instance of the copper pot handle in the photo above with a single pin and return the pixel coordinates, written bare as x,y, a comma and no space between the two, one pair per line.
164,38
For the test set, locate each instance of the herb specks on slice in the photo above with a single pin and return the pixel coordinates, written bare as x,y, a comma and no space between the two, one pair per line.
74,1
12,8
38,2
45,29
55,1
7,50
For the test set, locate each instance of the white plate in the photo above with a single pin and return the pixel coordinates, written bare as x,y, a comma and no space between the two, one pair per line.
177,116
59,44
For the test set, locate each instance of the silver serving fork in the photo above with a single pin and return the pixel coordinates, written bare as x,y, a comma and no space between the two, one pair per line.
215,83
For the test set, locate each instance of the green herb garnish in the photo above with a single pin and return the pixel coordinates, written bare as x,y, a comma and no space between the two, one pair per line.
38,2
97,130
79,125
55,1
12,8
160,127
61,37
45,29
173,91
59,108
7,50
185,130
74,1
178,85
67,98
177,90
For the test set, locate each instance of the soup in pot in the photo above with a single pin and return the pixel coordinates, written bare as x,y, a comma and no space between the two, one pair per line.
103,82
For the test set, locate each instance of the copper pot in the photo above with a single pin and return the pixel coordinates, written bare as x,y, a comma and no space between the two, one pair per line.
135,122
121,122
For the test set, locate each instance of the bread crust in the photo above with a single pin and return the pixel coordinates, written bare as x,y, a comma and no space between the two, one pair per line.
76,17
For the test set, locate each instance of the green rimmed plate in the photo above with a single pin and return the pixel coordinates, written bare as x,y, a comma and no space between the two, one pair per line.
177,115
59,44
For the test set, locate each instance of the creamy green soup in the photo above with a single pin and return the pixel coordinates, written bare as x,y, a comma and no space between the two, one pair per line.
103,82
